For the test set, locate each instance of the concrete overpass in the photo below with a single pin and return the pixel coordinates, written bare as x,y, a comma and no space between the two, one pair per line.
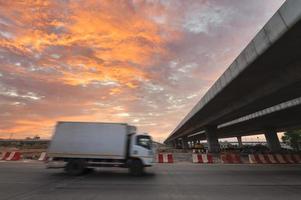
259,92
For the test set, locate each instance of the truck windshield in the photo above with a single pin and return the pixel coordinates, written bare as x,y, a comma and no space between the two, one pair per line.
144,141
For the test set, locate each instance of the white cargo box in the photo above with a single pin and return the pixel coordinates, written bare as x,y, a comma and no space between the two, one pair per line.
90,140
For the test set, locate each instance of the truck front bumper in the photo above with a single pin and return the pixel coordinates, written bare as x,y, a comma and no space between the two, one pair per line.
148,161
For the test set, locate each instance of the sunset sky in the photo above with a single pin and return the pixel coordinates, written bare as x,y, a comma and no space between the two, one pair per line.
146,63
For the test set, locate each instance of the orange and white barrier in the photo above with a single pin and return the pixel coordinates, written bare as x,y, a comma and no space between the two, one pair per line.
165,158
202,158
274,158
43,156
13,156
230,158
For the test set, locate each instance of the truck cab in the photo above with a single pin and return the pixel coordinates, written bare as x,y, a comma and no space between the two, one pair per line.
142,148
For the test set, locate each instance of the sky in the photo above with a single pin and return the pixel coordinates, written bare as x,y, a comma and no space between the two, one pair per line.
146,63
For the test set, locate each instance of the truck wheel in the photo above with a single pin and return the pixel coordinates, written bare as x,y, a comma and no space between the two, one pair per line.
75,167
136,168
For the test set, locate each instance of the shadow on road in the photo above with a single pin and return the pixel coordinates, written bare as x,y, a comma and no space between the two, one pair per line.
105,174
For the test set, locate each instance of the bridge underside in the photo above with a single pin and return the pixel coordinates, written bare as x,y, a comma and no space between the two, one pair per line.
288,119
255,81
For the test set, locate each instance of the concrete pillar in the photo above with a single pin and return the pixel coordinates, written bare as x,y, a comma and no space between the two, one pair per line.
212,139
184,143
239,140
272,140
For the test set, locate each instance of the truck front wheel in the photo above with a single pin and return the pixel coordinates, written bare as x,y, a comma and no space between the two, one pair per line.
75,167
136,167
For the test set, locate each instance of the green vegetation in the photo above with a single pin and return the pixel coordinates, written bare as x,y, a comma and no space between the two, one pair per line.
292,138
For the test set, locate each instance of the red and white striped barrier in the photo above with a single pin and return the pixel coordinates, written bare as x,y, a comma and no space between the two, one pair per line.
14,155
202,158
297,158
165,158
230,158
262,159
4,155
43,156
274,158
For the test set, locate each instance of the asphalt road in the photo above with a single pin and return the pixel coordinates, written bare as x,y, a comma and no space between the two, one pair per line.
163,181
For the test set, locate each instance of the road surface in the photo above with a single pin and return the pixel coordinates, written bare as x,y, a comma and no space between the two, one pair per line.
163,181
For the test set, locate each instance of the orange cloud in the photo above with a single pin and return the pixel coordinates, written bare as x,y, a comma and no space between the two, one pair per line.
111,30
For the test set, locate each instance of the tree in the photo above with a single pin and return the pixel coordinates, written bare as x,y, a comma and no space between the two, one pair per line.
292,138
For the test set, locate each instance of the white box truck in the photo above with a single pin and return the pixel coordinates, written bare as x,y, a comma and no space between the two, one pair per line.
77,146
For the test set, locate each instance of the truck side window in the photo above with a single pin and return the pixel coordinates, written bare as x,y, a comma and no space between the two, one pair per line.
144,141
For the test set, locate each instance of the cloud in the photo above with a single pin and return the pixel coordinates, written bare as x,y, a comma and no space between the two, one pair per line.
142,62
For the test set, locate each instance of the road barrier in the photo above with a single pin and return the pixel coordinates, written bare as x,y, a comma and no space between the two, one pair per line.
202,158
4,155
274,158
43,156
165,158
230,158
14,155
293,158
226,158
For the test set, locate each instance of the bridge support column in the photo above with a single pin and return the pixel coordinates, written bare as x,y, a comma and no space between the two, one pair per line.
212,139
184,143
239,140
272,140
